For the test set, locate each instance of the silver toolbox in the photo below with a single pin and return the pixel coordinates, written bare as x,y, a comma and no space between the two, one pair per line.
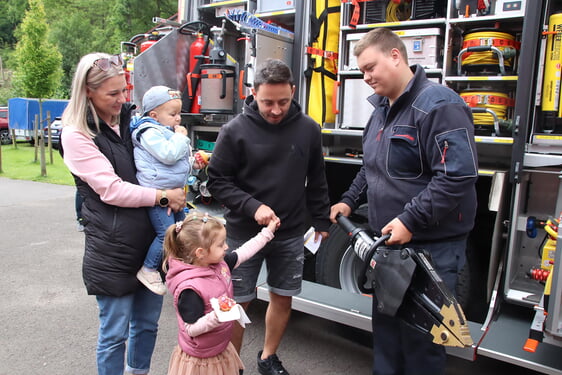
267,45
424,47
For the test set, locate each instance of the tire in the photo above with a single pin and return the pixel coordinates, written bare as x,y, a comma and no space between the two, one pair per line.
463,288
336,263
471,285
5,138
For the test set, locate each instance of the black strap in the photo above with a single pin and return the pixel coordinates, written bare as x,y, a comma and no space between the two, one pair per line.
316,22
325,72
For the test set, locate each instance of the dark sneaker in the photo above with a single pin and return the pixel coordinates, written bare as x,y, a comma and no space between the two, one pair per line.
271,365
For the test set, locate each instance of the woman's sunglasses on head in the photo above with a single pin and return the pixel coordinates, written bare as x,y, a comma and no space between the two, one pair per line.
104,63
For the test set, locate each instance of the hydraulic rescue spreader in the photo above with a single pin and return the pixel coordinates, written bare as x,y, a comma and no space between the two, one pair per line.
406,285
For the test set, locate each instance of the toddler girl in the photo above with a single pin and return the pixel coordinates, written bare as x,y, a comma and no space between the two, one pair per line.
198,269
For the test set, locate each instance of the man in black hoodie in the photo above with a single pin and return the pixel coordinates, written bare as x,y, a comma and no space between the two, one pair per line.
268,163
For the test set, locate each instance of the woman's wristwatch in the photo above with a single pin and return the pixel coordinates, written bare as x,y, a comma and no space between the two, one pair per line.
163,199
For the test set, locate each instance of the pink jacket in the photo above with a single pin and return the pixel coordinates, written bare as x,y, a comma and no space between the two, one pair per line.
208,282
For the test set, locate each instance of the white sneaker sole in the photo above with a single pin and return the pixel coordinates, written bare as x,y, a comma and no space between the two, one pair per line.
158,289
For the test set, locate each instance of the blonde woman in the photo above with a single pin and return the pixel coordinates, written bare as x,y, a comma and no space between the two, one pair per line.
97,148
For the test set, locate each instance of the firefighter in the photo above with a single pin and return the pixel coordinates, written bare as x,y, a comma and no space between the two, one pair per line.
418,178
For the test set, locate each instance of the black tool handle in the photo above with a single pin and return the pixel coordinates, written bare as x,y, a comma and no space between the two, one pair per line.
351,229
345,223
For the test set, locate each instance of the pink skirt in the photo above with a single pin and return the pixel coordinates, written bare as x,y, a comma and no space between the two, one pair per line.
226,363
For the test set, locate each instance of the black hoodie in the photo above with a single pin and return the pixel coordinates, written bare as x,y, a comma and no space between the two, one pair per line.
279,165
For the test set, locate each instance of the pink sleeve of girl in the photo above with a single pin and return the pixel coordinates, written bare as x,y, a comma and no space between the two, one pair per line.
84,159
204,324
253,245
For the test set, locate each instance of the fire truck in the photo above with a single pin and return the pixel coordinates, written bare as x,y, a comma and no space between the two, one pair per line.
504,59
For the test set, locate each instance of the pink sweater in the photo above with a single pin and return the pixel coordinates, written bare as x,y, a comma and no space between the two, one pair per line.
83,159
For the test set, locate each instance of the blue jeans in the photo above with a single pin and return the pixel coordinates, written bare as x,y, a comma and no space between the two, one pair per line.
399,349
133,317
160,221
78,200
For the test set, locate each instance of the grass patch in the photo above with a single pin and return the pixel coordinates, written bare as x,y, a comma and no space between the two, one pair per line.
19,164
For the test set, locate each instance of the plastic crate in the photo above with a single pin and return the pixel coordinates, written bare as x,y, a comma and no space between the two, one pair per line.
204,145
424,9
424,46
374,11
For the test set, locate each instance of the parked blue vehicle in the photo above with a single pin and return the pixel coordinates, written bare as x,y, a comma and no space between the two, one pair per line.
22,112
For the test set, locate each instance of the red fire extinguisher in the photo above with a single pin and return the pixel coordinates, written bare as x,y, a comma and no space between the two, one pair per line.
151,40
128,51
129,85
193,77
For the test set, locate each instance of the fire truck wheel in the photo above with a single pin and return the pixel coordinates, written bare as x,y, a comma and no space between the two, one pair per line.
463,285
471,284
336,263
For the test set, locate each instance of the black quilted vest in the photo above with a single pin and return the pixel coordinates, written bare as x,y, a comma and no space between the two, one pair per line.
117,238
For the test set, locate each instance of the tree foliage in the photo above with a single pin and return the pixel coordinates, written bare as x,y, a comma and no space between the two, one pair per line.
11,14
131,17
78,27
38,62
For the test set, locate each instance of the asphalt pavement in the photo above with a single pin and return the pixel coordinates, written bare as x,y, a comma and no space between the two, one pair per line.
49,323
